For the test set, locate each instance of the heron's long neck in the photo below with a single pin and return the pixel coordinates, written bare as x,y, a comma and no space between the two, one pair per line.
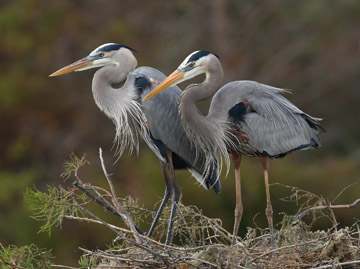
199,92
205,131
120,104
106,96
208,133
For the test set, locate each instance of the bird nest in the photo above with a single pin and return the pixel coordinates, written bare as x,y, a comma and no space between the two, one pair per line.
202,242
197,240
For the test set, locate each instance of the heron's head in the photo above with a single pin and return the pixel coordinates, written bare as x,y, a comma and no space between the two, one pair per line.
104,55
195,64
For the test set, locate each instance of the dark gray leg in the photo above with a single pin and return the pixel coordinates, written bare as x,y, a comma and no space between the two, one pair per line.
168,191
175,197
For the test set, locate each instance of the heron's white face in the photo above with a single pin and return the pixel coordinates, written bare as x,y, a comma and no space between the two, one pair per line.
101,56
192,68
195,64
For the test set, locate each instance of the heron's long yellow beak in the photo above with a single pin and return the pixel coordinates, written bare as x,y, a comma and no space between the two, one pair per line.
169,81
82,63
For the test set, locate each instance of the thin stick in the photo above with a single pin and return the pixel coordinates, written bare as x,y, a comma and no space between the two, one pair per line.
127,217
202,228
104,203
339,264
105,255
96,221
63,266
187,227
200,260
289,246
159,244
114,196
344,189
141,246
305,212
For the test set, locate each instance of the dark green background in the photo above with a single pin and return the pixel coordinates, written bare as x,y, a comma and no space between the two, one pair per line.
311,47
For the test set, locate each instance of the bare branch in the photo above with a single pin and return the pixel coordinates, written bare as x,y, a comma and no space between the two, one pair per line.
334,265
305,212
124,214
121,235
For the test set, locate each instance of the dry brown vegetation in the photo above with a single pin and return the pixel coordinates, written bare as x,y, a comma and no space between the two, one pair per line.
202,242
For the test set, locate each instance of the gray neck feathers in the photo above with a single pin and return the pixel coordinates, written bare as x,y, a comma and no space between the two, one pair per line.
207,132
119,103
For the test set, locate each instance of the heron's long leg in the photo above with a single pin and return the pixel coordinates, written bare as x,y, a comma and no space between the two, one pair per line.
269,211
174,198
166,197
239,206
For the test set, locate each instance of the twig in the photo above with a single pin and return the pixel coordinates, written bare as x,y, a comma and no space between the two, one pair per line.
63,266
187,227
339,264
96,221
111,255
159,244
202,228
129,241
284,247
127,217
103,203
106,255
305,212
344,189
200,260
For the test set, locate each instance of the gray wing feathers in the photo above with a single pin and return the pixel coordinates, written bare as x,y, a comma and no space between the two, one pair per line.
272,123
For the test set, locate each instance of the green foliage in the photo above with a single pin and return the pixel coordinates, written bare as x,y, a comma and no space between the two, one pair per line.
87,261
73,165
51,207
25,257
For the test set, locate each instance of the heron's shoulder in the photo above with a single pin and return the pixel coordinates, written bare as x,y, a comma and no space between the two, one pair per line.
250,85
149,72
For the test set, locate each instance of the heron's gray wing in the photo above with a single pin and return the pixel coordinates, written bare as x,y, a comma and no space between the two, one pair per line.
163,119
272,125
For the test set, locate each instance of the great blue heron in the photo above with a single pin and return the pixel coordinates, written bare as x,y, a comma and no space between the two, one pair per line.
157,122
245,118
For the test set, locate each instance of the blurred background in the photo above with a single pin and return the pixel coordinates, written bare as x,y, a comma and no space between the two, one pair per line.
311,47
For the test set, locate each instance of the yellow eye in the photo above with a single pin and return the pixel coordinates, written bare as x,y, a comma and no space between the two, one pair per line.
102,54
192,64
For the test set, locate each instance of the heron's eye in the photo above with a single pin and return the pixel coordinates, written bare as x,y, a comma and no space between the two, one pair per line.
192,64
102,54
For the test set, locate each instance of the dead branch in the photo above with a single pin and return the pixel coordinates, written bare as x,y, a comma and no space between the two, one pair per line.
281,248
330,207
124,214
339,264
103,202
121,235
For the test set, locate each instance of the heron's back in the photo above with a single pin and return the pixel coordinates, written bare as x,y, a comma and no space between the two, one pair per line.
268,122
163,119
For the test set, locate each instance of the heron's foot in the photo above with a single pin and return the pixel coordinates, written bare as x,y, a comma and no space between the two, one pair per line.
269,215
238,215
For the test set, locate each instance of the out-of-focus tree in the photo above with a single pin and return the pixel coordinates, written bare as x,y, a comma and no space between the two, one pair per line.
311,47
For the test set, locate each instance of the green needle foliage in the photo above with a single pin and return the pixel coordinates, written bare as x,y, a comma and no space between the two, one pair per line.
25,257
51,206
87,262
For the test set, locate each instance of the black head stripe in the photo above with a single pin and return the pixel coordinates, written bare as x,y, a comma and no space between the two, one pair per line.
196,56
112,47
